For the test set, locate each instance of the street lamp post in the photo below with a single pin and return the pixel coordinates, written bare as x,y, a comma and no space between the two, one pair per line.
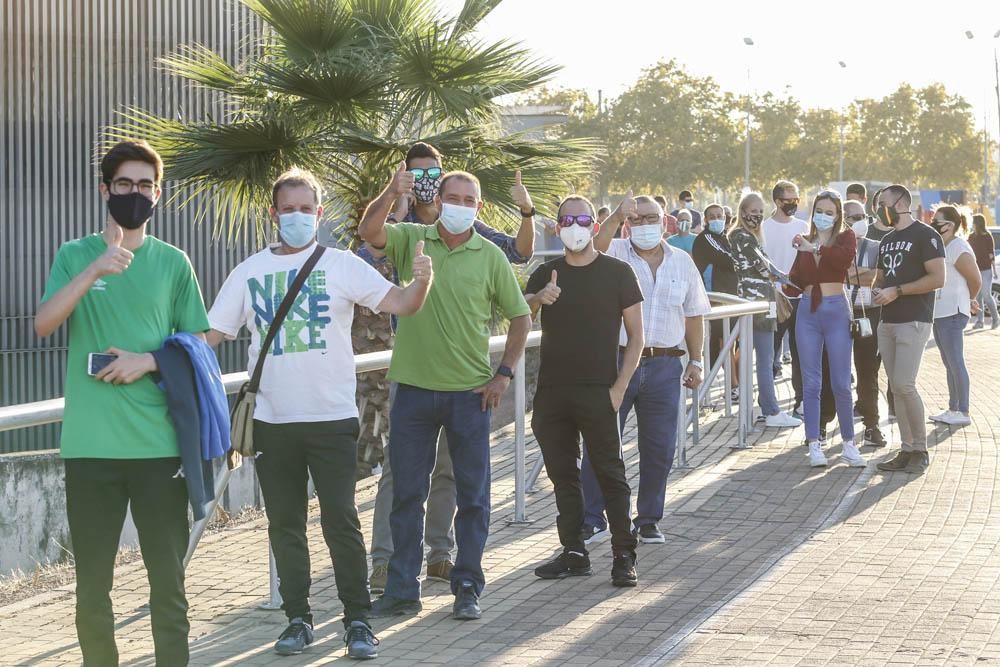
984,199
843,66
746,152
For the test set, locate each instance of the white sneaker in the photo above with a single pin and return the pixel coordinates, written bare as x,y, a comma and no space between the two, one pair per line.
851,456
817,459
782,420
957,419
943,417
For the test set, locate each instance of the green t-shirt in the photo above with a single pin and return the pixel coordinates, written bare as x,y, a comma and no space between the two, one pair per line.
445,346
155,297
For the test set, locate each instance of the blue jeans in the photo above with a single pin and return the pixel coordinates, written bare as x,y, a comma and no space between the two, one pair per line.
830,328
655,393
417,416
763,349
951,345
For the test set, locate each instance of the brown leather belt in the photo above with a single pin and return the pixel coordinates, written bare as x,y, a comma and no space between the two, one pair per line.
660,352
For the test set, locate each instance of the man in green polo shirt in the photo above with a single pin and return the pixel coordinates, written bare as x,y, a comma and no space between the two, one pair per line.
123,292
441,361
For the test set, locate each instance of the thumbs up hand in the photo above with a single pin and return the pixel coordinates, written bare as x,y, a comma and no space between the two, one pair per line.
549,294
116,258
422,268
402,181
519,195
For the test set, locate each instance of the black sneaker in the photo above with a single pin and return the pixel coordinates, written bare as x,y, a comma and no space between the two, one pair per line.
623,570
361,642
649,534
466,607
388,605
593,535
566,564
917,465
797,412
296,637
899,462
874,437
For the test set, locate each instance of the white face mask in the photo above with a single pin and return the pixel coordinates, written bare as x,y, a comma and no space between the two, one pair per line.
575,237
646,237
457,219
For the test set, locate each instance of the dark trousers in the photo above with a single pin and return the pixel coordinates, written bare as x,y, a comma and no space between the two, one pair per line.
417,417
287,455
789,327
866,364
98,492
561,415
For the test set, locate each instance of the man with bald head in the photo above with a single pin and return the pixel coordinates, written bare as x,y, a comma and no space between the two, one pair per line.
585,298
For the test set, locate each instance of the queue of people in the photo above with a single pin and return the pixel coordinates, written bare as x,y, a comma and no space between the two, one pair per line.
636,288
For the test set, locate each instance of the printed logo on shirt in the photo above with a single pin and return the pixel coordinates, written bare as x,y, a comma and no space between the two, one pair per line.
893,255
99,286
303,327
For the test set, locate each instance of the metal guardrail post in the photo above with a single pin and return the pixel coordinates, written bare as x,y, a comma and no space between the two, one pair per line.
683,417
728,369
274,602
199,527
520,407
744,421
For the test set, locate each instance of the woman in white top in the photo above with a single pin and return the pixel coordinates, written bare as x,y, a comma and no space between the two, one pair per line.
952,310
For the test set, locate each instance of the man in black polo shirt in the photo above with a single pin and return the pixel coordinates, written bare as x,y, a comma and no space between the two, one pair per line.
911,267
584,297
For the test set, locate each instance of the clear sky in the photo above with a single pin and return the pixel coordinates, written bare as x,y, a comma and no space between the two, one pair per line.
605,44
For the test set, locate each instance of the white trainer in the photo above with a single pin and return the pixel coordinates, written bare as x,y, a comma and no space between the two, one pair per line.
958,419
817,459
941,418
782,420
851,456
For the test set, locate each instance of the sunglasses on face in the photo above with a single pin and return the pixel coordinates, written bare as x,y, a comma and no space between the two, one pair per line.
856,218
420,173
570,220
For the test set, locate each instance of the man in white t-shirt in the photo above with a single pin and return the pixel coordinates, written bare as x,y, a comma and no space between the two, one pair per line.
306,419
779,230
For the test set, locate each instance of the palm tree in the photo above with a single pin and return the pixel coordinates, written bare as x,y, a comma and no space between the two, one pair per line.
343,88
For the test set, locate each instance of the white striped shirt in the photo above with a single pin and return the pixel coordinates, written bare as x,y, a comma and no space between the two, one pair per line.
674,294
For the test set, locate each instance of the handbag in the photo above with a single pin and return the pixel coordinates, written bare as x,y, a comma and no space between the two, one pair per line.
861,327
241,433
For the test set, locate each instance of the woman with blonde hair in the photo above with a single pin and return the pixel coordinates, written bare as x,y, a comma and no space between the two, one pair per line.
754,284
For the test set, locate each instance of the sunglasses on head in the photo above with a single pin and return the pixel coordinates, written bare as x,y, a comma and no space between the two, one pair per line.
420,173
570,220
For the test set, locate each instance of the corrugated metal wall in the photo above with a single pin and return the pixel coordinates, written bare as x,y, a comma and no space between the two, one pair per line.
66,66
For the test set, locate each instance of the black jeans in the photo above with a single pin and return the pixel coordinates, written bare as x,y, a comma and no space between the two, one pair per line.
789,326
866,364
98,492
561,415
287,455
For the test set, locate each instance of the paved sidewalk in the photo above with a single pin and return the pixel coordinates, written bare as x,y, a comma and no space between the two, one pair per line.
766,560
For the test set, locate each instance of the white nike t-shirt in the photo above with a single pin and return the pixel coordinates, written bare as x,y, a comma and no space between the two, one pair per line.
309,371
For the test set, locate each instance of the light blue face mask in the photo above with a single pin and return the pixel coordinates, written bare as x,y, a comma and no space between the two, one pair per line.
297,229
823,221
716,226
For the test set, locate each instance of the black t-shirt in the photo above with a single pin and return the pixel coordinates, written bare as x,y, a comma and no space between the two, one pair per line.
580,330
876,234
901,256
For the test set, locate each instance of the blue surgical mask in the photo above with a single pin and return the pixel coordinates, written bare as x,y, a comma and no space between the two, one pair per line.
823,221
297,229
457,219
716,226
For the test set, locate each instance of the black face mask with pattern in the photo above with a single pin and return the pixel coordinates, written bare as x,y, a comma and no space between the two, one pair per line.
426,189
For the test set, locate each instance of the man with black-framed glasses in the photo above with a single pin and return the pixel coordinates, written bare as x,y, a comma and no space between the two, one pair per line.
584,298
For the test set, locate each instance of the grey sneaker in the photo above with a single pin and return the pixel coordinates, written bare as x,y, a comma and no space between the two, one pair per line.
649,534
897,463
296,637
376,582
918,463
361,642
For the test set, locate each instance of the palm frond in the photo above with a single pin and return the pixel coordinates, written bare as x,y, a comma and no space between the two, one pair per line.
309,27
472,13
202,66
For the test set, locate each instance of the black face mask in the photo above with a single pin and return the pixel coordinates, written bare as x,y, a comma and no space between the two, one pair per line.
131,211
789,209
752,219
940,227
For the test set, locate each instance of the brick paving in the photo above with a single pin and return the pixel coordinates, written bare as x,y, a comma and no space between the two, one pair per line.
766,560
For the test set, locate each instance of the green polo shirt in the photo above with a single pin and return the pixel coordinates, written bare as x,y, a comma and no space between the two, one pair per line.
156,296
445,346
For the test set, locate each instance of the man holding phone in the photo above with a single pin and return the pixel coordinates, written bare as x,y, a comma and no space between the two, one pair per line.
123,293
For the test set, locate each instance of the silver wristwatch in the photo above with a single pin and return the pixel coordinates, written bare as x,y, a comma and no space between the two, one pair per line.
697,364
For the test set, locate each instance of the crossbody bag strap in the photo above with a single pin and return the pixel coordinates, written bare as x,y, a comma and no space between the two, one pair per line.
279,317
857,276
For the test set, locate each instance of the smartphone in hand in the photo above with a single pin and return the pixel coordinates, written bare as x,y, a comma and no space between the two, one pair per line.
97,361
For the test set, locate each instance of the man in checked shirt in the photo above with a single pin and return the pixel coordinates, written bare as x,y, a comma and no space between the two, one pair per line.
673,306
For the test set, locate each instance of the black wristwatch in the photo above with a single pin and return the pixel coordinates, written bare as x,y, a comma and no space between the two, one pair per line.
506,372
392,219
529,214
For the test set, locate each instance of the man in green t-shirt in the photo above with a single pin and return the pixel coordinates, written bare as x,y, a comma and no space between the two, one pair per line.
441,363
123,292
